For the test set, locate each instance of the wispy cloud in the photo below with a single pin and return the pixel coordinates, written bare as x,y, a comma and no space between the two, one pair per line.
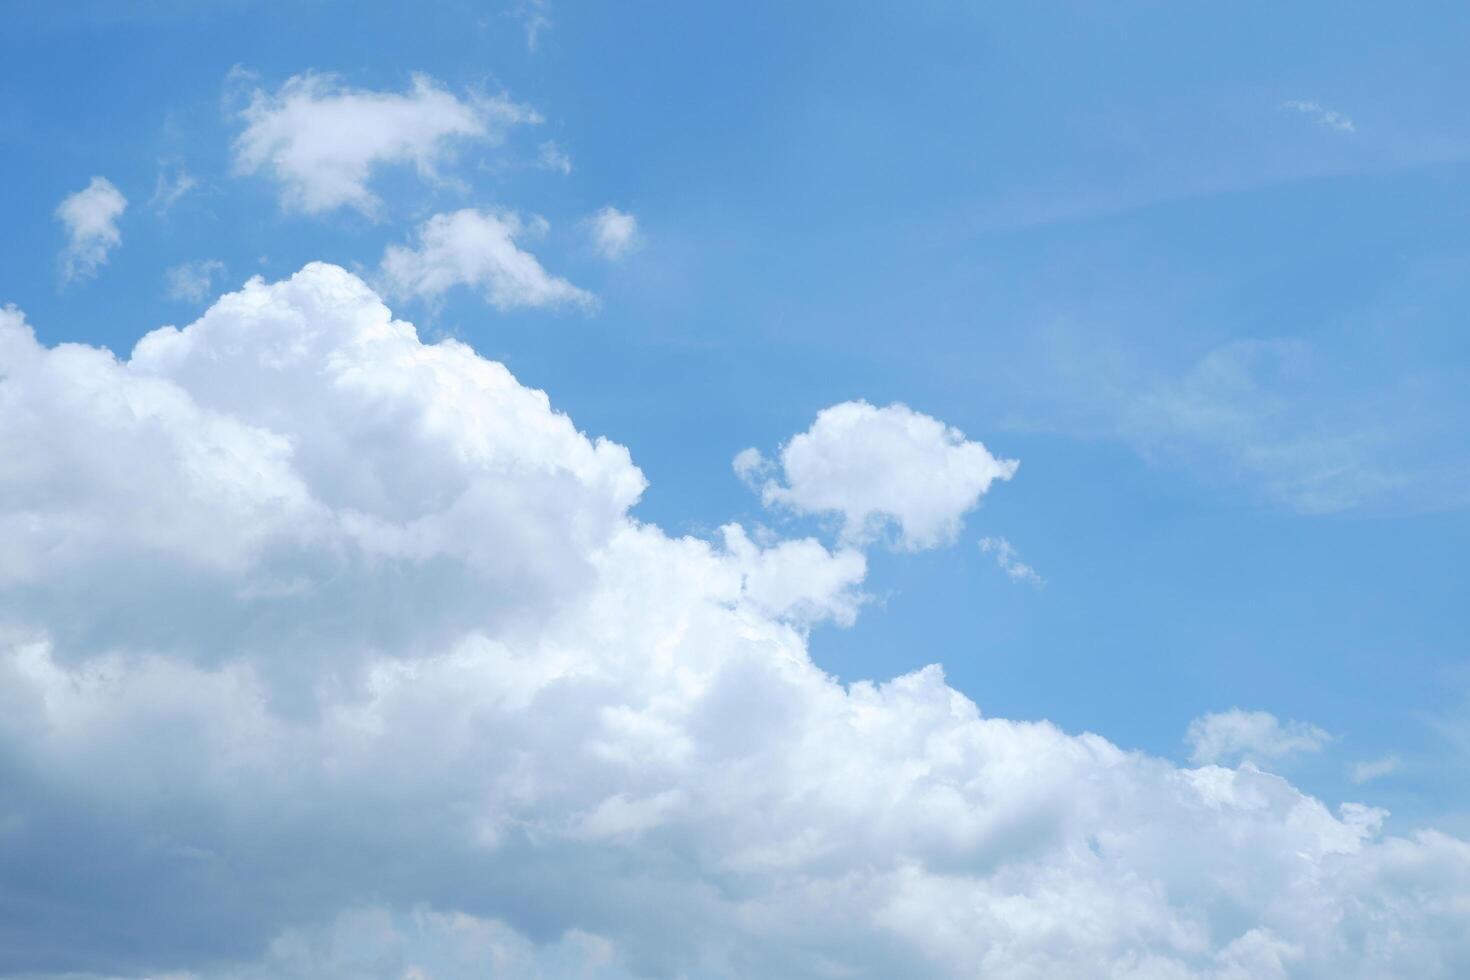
553,157
1010,562
535,19
173,183
1292,423
1327,118
1362,772
1251,736
1249,405
193,281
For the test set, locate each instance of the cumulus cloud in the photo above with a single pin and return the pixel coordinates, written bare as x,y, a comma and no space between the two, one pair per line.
1010,561
1251,735
322,140
193,281
798,580
1326,118
614,233
325,652
879,466
478,249
90,217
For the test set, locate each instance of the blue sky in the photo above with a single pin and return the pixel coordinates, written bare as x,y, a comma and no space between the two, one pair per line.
1202,270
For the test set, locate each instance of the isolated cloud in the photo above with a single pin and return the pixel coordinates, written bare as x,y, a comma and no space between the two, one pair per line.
327,653
477,249
90,217
614,233
535,20
553,157
172,184
1327,118
1010,561
1363,772
1254,736
322,140
193,281
876,466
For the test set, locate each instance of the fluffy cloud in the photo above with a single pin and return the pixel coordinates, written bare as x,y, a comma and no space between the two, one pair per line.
614,233
328,653
322,140
798,580
1252,735
876,466
478,249
1258,410
90,217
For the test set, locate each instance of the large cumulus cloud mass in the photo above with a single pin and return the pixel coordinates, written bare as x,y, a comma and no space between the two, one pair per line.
325,652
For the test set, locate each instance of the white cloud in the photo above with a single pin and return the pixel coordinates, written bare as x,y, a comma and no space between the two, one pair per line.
614,233
798,580
553,157
90,216
478,249
1326,118
1254,736
876,466
1363,772
193,281
1010,562
322,141
328,653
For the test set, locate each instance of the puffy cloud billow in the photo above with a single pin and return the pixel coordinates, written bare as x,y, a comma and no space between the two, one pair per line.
328,653
478,249
880,467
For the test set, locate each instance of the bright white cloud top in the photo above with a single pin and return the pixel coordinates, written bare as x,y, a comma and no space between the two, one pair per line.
478,249
343,653
90,218
879,466
322,140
